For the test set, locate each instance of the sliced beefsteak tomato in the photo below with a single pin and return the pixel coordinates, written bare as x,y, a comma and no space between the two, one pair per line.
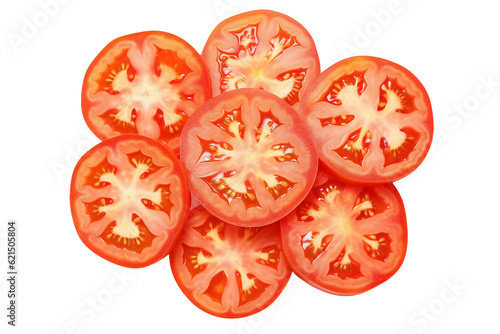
129,200
146,83
346,239
371,119
262,49
229,271
249,159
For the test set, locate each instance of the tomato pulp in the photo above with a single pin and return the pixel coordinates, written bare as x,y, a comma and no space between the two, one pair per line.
346,239
229,271
249,159
262,49
371,119
146,83
129,200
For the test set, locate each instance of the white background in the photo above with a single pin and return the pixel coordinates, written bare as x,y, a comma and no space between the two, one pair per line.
449,280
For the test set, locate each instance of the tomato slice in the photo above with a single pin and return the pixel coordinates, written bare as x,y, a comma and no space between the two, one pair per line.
249,159
346,239
129,200
146,83
229,271
371,119
262,49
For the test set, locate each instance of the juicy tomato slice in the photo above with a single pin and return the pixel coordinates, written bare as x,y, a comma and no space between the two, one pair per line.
346,239
146,83
371,119
262,49
129,200
229,271
249,159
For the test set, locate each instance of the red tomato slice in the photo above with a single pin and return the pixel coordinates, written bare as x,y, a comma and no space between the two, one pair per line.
371,119
129,200
146,83
229,271
346,239
262,49
249,159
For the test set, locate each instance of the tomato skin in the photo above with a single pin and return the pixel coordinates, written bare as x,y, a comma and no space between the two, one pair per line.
91,229
200,127
370,73
269,24
320,269
240,251
195,85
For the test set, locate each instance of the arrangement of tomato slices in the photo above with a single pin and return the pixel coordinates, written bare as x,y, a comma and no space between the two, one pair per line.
129,200
146,83
227,270
249,159
265,50
371,119
245,164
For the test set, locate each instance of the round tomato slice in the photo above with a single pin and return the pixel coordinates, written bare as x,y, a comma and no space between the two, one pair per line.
346,239
146,83
262,49
249,159
129,200
229,271
371,119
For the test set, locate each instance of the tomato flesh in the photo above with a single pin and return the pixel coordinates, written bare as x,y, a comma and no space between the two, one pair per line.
248,158
371,120
129,200
262,49
146,83
228,271
346,239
